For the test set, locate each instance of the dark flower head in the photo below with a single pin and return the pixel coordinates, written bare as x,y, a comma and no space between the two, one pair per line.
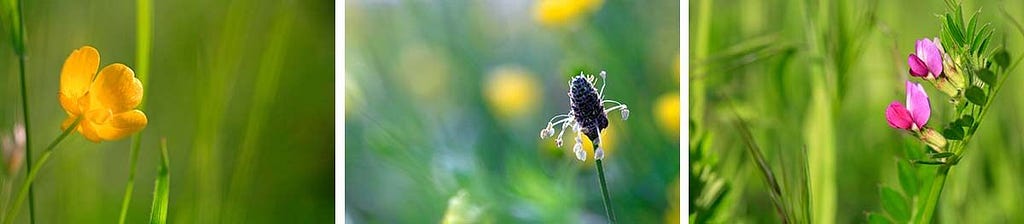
585,106
586,116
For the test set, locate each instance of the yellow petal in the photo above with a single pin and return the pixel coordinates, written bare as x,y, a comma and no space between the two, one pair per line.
77,74
88,129
121,125
116,88
69,104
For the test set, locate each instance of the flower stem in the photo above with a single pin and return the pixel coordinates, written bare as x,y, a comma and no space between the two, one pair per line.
143,33
933,196
25,188
604,192
134,155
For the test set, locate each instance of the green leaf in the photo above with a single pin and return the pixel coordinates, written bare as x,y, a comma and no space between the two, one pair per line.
875,218
966,121
908,177
975,95
895,205
973,24
162,188
987,76
953,133
927,162
942,155
1002,58
980,42
954,30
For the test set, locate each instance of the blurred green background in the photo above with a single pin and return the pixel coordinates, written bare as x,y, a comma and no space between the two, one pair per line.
445,101
242,90
764,61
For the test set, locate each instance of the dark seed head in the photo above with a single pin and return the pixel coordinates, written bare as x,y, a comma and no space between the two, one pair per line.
586,107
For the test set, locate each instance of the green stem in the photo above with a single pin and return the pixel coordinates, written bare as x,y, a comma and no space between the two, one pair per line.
20,50
143,32
604,192
12,213
134,154
933,196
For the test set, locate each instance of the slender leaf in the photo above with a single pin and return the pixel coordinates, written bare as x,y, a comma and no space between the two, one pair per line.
161,190
942,155
766,171
926,162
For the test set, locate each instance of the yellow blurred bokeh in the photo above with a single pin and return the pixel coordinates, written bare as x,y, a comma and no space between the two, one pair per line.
666,113
556,13
511,92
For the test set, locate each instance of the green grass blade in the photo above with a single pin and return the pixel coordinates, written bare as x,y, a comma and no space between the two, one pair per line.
766,170
162,187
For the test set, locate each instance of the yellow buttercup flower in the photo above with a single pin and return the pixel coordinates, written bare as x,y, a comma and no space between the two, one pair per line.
562,12
106,101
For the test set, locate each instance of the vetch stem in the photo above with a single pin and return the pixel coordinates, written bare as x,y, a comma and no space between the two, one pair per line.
933,195
604,192
25,188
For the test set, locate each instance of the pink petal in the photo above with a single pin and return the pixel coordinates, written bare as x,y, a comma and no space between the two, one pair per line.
930,54
917,67
918,104
898,116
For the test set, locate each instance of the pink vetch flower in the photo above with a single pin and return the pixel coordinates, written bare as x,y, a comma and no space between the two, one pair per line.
926,62
915,114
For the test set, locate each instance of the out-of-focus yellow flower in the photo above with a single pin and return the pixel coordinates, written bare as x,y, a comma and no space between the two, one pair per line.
561,12
666,111
106,101
511,91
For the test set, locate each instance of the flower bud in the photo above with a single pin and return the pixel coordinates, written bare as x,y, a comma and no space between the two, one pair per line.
946,86
933,138
952,72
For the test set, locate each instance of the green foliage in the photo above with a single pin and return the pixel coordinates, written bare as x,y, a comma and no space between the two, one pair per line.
708,189
895,205
161,188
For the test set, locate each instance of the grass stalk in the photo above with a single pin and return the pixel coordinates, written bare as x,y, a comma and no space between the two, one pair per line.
604,192
161,187
18,38
13,210
265,90
143,32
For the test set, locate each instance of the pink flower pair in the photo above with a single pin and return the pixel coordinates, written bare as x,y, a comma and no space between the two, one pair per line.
926,62
912,116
